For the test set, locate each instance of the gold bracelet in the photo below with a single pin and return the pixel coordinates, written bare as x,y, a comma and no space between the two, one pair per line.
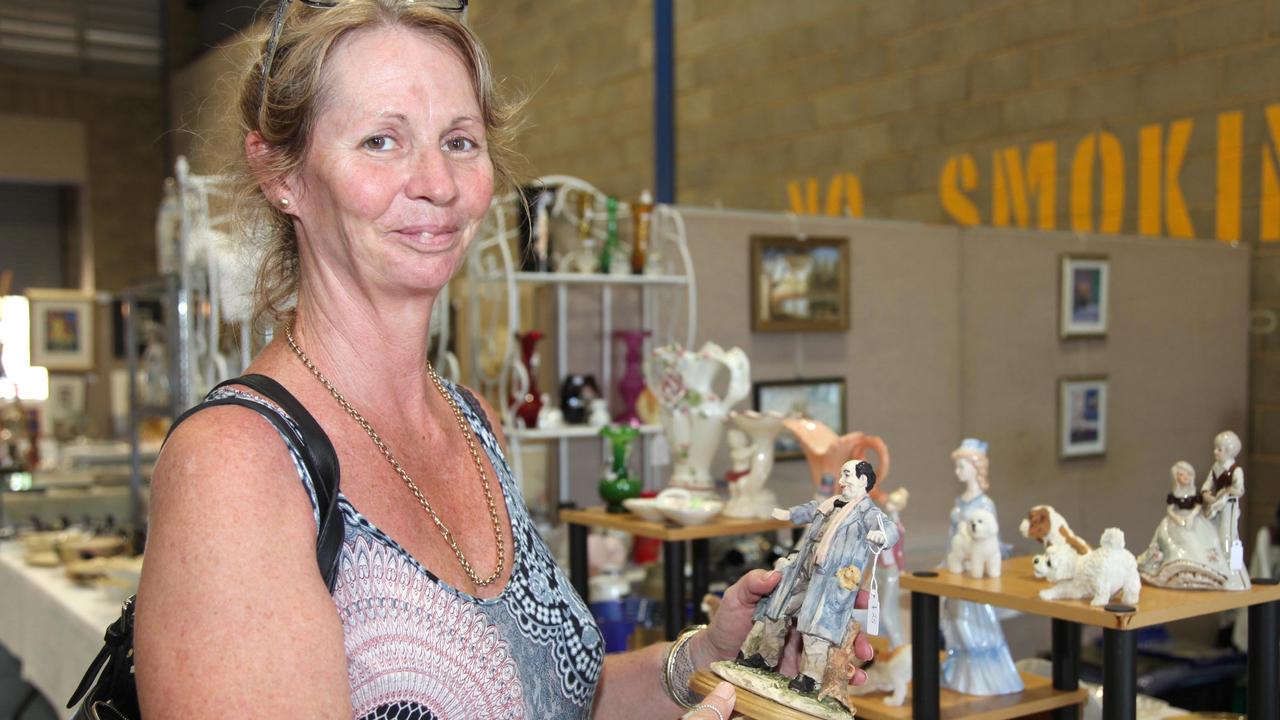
678,668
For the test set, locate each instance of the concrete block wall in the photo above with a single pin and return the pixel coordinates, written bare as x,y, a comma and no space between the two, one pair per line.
860,106
124,126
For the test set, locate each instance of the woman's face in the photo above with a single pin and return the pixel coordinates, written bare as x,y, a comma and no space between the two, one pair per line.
397,175
965,471
1182,477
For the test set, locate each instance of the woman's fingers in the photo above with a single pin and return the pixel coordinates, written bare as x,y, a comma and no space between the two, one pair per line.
755,585
862,647
716,706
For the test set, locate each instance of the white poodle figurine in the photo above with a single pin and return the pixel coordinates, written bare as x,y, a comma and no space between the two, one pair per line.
976,546
1107,570
888,673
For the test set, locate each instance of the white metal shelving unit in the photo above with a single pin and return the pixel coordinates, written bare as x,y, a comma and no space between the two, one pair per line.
667,303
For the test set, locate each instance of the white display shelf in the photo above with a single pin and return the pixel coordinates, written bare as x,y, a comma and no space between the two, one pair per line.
592,279
567,432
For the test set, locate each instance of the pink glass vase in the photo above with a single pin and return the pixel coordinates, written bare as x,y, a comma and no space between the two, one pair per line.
632,382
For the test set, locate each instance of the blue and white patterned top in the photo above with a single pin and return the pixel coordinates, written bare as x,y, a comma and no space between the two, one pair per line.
418,649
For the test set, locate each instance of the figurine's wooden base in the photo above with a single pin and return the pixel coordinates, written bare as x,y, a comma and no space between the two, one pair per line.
1037,696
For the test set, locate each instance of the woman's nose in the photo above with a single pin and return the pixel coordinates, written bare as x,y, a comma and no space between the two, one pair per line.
431,178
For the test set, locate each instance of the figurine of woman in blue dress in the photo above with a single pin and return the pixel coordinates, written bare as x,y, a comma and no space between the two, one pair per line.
978,660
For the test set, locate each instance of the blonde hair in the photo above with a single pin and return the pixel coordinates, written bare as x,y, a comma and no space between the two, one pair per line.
980,463
284,114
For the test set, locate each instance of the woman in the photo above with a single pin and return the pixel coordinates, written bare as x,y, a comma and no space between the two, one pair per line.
373,139
978,660
1184,552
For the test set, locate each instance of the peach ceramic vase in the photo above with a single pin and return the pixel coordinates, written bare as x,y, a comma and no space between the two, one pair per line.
827,452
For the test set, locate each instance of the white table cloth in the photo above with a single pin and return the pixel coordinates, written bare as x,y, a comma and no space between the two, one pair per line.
54,626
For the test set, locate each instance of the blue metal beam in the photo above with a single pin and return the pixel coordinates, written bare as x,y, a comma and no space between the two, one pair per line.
664,102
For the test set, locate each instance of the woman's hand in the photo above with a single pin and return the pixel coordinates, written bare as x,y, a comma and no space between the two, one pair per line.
728,629
716,706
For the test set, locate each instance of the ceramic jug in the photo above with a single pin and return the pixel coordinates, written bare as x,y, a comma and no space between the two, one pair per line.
826,452
692,412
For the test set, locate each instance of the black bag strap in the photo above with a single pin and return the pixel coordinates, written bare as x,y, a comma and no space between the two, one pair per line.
318,457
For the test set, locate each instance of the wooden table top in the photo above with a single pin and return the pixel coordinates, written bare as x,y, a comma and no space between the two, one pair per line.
630,523
1038,696
1018,588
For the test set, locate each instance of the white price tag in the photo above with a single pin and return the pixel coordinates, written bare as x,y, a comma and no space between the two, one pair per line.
873,610
1237,555
659,451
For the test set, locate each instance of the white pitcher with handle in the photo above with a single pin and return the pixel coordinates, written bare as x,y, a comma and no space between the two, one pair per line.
692,412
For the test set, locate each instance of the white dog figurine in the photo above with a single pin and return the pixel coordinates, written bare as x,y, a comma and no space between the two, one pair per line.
1047,527
887,673
975,547
1107,570
1055,558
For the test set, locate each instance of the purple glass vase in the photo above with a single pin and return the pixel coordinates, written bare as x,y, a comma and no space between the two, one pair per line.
632,382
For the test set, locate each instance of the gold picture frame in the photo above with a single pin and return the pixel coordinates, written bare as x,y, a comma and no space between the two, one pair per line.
61,329
800,284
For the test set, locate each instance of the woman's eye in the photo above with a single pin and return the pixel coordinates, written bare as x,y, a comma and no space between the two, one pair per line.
380,142
460,144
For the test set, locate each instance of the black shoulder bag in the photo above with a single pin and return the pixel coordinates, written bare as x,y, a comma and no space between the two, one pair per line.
108,688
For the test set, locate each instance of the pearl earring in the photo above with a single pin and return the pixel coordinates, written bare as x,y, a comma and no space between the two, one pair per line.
284,202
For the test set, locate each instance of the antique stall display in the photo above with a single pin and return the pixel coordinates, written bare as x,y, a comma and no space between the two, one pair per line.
693,414
826,452
978,660
574,229
1221,493
821,579
1185,551
748,496
1107,570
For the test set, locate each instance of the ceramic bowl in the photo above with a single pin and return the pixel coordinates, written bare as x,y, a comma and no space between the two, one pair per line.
684,508
645,508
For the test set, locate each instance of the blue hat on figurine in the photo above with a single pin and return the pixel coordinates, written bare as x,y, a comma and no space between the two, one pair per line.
974,444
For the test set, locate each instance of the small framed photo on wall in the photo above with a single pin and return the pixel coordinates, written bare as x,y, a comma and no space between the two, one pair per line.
1085,296
61,329
821,399
1082,416
799,284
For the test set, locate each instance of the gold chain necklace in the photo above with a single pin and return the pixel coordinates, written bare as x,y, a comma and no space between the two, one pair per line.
408,481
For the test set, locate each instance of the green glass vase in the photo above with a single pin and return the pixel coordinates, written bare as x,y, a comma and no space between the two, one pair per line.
619,483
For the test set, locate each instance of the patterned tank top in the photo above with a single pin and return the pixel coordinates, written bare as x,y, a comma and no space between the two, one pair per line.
418,649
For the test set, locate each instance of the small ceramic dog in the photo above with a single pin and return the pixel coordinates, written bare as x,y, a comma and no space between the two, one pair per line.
1059,557
975,548
1047,527
887,673
1107,570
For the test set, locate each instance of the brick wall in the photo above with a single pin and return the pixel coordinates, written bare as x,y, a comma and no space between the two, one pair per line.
1137,114
124,125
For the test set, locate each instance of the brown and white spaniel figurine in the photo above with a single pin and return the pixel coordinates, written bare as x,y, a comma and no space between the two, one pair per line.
1047,527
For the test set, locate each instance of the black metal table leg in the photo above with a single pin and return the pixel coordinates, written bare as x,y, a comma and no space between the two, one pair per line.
673,586
701,550
1263,702
1066,664
578,559
925,671
1119,676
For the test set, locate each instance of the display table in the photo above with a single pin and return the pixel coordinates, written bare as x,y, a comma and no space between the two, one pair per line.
673,538
1039,696
1018,588
53,625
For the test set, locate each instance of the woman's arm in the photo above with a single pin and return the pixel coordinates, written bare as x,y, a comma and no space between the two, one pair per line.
233,616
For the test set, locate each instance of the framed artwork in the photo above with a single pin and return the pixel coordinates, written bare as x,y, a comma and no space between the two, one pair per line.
821,399
66,403
799,284
61,329
1082,416
1084,296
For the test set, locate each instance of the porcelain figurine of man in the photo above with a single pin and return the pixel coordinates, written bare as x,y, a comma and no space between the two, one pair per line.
822,580
1221,494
